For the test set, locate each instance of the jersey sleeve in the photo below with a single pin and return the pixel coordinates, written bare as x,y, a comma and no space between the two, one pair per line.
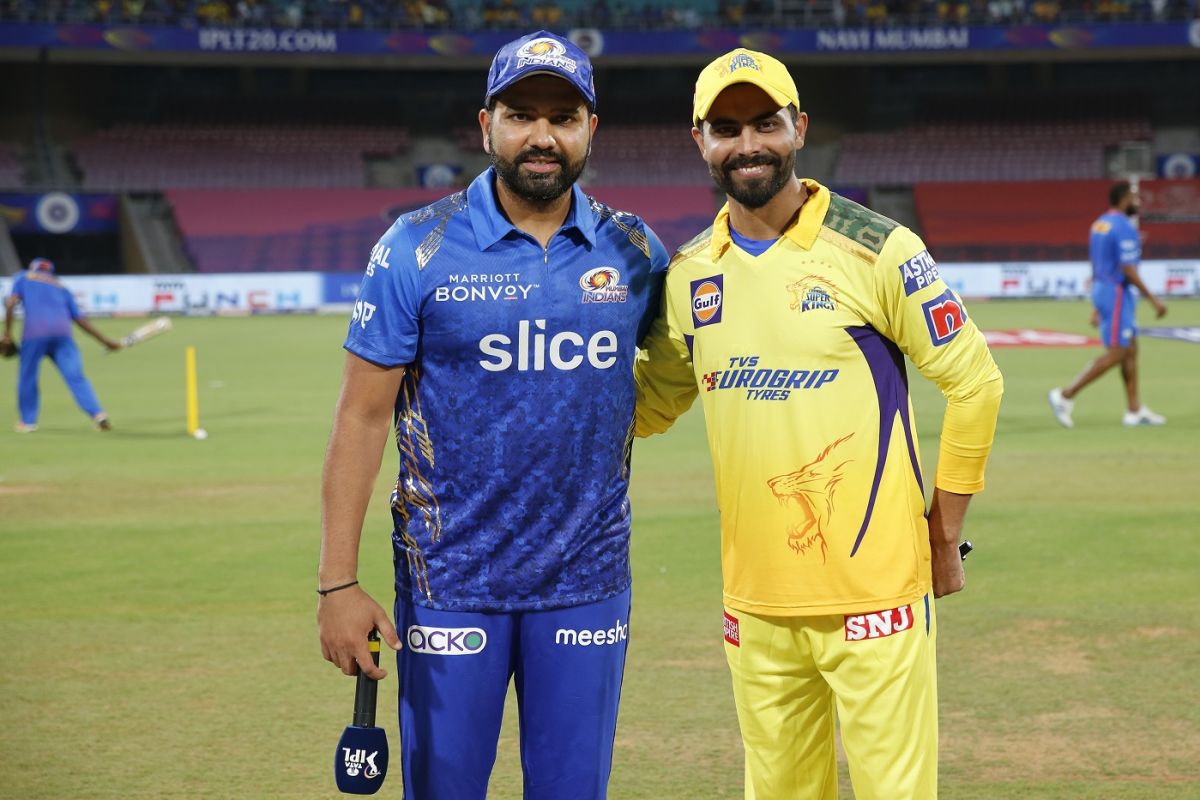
659,259
385,323
929,323
1129,244
18,287
663,374
72,305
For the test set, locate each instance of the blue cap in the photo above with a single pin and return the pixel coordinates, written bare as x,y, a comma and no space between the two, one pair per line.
541,53
41,265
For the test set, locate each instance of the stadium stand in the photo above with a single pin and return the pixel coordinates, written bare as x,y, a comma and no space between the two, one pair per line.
1048,220
646,15
334,230
985,151
145,156
653,155
11,168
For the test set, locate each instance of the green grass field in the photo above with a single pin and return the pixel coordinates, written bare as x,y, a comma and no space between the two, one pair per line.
157,631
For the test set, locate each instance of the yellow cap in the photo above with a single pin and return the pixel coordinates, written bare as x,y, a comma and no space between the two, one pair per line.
743,66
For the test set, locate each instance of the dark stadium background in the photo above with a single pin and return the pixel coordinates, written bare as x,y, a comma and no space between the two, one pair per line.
181,161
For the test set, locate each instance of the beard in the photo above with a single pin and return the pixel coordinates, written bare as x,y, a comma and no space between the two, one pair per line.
538,189
1132,210
758,192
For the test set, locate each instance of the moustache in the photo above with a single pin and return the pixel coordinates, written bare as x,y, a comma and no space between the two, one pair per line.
545,155
737,162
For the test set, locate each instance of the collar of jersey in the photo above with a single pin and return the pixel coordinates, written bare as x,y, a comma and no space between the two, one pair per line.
490,224
803,231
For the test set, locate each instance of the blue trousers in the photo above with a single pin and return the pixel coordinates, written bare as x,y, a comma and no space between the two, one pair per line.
454,671
63,351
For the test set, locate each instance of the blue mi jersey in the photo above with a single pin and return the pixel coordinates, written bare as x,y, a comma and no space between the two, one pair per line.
1113,243
514,418
49,306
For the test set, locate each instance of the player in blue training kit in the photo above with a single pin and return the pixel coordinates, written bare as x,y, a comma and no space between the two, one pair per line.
50,309
497,329
1115,249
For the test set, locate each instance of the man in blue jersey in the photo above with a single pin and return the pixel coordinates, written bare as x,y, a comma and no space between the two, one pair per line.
50,309
1115,250
496,329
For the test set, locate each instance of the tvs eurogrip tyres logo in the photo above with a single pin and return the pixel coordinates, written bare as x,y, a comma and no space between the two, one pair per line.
708,295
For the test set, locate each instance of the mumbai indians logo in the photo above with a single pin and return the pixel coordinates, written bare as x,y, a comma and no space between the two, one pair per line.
545,52
603,285
743,61
707,295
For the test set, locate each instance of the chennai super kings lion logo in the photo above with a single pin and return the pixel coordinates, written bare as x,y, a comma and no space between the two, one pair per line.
811,488
813,292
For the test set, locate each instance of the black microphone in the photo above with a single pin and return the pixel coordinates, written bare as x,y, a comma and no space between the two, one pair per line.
361,759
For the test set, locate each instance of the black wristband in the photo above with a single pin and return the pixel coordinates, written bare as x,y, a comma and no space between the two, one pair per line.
324,592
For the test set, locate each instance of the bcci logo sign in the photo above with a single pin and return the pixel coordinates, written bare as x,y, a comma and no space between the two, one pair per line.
545,52
603,285
357,761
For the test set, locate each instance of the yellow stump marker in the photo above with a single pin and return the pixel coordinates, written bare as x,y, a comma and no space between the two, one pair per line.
193,402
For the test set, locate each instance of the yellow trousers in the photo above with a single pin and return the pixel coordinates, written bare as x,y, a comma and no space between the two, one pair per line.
874,673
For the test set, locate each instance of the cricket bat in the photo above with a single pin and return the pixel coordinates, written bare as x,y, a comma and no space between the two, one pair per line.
151,329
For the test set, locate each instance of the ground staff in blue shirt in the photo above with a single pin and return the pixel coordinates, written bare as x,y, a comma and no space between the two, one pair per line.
1115,249
50,309
496,329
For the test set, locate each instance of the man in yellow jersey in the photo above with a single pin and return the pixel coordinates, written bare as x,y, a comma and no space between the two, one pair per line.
791,317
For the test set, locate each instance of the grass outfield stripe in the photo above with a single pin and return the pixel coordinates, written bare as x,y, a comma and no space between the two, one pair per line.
157,619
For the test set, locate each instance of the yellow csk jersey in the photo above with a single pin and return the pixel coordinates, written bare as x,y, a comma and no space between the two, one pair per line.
798,356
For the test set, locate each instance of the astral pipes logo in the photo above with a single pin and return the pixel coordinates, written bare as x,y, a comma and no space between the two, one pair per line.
446,641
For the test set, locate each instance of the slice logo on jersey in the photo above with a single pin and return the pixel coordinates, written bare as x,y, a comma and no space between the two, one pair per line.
603,285
707,297
732,630
878,624
363,313
812,293
487,287
945,317
535,348
810,490
570,637
919,272
765,383
545,52
446,641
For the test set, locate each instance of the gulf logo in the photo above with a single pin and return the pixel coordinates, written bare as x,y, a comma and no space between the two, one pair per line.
707,296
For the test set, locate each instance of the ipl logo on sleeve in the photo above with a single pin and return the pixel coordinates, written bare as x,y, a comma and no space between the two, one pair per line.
707,296
945,317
